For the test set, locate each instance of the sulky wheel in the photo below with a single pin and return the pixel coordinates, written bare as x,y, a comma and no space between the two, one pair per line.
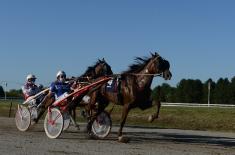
53,123
22,118
100,127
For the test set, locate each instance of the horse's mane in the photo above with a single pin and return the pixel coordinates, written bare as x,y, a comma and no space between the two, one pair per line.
91,68
139,64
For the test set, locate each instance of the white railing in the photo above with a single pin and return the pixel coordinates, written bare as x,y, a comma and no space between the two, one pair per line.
11,98
164,104
197,105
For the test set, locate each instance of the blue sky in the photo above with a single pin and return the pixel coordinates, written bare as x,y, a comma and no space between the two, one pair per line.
42,37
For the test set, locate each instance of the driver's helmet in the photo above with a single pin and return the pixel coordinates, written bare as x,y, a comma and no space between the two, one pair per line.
31,78
61,76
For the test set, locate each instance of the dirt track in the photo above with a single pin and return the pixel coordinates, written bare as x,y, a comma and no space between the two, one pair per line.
143,141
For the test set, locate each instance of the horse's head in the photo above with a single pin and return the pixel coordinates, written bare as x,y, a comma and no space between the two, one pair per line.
101,68
158,65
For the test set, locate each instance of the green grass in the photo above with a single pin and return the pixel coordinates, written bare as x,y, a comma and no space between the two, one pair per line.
5,107
214,119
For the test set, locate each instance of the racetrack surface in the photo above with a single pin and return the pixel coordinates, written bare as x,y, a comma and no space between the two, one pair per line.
146,141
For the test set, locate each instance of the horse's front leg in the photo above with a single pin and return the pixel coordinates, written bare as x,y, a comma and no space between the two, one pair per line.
125,112
158,104
74,113
155,115
72,110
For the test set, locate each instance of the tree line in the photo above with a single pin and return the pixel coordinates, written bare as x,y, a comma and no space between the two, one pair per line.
12,93
186,91
194,91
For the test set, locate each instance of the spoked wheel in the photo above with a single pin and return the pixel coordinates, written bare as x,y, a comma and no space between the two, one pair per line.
100,127
53,123
67,120
22,118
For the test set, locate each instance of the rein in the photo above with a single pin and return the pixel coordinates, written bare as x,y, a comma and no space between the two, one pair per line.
146,74
138,74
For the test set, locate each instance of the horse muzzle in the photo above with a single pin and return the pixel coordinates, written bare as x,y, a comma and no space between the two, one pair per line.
167,75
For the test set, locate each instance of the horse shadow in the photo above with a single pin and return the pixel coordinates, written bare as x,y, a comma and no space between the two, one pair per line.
153,137
143,137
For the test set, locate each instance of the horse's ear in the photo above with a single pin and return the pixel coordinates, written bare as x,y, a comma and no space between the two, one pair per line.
99,60
156,54
103,60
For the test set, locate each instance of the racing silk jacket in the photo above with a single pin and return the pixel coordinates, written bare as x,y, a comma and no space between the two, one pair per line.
30,90
59,88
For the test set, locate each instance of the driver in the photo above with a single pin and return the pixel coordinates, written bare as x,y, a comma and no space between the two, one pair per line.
60,86
57,88
30,88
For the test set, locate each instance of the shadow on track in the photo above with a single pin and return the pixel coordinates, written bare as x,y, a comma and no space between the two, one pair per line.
143,137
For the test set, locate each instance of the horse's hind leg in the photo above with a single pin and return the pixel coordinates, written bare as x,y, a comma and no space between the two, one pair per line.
125,112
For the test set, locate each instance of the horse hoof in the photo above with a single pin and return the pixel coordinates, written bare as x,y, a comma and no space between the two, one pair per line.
150,119
123,139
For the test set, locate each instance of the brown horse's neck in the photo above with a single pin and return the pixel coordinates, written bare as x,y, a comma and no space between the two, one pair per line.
144,81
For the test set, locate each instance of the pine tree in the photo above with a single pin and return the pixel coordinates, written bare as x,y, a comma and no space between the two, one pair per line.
2,94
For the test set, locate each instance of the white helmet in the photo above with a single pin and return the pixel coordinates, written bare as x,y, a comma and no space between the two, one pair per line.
60,73
30,76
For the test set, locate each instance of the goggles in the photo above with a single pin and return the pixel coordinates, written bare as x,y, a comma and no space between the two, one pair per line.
62,76
31,80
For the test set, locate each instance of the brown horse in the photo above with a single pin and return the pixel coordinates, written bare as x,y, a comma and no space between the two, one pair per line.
133,89
99,69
